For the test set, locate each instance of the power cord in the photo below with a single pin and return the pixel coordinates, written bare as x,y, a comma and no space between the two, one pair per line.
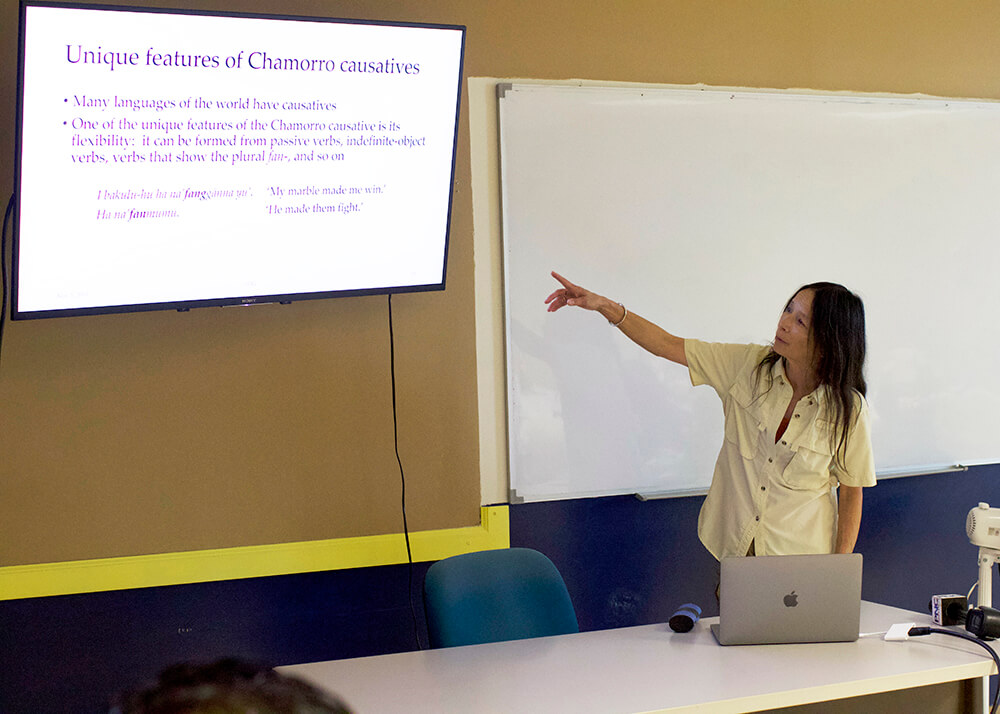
920,631
3,269
402,479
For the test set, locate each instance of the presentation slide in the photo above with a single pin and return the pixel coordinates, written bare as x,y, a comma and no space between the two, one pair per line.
167,157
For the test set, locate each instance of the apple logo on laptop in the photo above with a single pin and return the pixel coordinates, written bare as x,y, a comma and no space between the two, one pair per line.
791,599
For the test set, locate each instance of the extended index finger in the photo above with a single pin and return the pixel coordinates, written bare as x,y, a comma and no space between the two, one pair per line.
566,283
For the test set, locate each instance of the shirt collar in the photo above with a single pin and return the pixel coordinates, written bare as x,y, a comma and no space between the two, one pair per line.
778,373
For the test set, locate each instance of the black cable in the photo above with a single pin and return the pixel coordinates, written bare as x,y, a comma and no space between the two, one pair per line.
3,269
918,631
402,479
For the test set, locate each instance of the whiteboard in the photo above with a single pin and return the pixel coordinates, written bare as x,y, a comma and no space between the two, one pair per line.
704,210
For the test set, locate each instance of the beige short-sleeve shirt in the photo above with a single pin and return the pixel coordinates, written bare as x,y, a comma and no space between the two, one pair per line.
779,496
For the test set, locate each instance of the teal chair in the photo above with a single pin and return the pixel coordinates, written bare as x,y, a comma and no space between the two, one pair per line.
496,595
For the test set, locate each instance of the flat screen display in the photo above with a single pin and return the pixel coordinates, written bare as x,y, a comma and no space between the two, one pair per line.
177,159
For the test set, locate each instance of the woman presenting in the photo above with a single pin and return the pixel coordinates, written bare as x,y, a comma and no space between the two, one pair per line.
797,449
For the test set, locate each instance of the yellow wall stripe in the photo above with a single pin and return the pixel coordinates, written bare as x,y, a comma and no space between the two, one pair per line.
143,571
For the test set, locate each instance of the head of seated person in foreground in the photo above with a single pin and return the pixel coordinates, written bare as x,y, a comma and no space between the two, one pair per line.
227,686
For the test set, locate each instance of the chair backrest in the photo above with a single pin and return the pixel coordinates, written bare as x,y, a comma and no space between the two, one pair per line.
495,595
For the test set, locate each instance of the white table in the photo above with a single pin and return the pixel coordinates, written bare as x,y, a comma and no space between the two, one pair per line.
652,669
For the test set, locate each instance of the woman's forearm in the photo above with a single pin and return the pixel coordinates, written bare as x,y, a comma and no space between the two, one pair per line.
849,500
653,338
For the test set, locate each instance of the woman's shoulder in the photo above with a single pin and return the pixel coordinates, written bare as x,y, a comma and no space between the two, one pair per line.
737,351
860,401
756,356
720,363
859,406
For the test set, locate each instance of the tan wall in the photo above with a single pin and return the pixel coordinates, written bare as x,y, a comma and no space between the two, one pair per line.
165,431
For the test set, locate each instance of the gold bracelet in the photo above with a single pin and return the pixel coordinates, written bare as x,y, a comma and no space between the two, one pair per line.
618,324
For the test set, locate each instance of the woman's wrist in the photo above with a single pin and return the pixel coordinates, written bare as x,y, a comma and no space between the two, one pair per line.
615,313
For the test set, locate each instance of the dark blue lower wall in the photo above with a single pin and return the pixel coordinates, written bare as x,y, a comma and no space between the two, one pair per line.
625,562
70,653
632,562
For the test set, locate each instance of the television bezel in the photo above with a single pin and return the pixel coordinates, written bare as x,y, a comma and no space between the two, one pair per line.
230,301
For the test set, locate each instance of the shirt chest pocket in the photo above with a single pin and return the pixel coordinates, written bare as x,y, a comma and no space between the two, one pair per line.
744,421
810,466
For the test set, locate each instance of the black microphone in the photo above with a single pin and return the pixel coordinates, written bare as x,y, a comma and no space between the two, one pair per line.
983,622
685,617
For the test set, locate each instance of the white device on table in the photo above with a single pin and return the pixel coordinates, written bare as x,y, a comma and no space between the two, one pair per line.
982,525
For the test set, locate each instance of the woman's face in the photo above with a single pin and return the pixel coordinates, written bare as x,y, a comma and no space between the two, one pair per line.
793,339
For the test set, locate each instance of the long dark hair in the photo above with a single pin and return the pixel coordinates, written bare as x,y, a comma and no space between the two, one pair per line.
838,330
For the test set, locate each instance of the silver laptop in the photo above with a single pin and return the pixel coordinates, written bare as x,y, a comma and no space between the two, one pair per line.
789,598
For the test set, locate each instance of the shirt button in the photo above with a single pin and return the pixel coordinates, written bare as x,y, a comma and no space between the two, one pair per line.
770,461
784,443
763,488
797,416
757,518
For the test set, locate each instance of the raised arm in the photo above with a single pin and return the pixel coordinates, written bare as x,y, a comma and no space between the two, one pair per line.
644,333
